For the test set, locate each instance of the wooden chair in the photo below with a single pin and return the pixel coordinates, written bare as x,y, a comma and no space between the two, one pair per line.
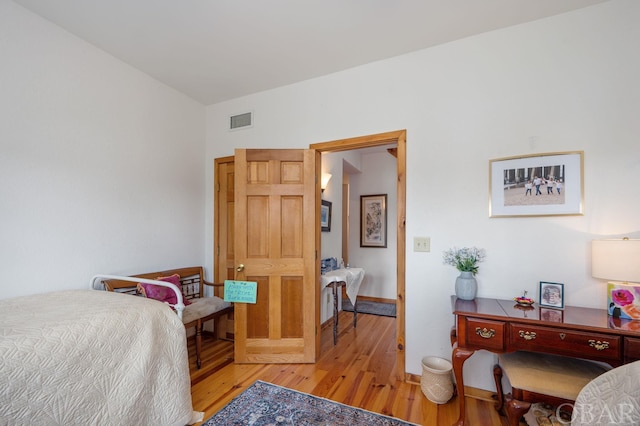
536,377
201,309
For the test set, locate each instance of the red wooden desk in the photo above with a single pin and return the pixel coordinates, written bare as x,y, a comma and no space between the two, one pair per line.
503,326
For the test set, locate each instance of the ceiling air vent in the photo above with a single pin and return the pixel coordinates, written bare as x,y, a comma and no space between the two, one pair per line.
241,121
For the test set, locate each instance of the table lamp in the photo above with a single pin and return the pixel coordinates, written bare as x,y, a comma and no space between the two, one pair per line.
618,262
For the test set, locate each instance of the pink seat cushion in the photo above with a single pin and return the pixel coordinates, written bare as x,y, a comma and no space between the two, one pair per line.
164,294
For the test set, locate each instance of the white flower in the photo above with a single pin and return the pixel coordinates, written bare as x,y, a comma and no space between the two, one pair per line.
464,259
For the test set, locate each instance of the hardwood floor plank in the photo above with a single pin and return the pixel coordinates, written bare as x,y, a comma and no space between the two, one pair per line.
358,371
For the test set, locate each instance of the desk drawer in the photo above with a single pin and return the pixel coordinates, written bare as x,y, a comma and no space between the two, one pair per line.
565,342
485,334
631,349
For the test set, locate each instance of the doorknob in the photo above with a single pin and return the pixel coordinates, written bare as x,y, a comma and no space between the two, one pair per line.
240,268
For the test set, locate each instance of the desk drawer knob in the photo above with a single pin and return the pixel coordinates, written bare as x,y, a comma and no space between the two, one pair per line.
485,333
527,335
598,345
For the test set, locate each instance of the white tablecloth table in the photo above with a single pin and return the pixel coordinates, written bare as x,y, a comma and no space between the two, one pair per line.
351,278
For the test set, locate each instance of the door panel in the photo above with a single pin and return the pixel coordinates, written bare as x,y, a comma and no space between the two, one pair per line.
223,234
258,227
224,219
276,198
291,300
259,312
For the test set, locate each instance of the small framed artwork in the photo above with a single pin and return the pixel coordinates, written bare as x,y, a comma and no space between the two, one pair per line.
551,295
325,216
551,315
623,300
373,220
549,184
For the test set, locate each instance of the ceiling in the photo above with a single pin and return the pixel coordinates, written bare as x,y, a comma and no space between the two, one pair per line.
215,50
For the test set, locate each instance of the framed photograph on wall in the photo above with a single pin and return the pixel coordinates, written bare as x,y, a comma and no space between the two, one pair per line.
325,216
373,220
548,184
551,295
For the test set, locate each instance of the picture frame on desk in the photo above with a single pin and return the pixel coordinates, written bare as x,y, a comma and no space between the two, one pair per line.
551,295
623,300
547,184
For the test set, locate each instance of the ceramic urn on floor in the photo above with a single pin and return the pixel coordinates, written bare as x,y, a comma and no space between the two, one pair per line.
436,382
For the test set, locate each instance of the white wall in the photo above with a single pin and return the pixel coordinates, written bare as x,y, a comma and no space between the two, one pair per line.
101,167
564,83
379,176
331,242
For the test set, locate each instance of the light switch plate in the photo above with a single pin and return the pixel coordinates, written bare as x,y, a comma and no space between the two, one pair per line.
421,244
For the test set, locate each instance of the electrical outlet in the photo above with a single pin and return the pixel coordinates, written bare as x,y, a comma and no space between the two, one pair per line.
421,244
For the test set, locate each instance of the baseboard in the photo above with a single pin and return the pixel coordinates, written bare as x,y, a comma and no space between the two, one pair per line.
369,298
412,378
376,299
480,394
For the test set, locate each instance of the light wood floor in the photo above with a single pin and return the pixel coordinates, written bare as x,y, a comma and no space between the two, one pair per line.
358,371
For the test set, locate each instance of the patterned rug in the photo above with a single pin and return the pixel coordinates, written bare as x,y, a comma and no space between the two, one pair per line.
263,404
374,308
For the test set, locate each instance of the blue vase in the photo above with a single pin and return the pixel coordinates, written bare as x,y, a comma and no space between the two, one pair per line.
466,286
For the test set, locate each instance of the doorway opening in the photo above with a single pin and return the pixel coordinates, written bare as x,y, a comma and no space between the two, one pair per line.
397,138
224,224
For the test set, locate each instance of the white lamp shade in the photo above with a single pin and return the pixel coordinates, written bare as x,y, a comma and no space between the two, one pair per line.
616,260
324,180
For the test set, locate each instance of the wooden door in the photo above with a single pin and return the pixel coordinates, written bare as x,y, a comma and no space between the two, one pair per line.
276,229
224,219
224,267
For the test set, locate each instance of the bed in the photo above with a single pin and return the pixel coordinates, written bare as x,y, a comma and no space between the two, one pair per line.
92,357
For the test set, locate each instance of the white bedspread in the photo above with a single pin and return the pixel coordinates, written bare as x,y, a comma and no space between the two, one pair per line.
86,357
611,399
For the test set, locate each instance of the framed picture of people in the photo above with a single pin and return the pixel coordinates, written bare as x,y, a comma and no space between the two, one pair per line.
551,295
549,184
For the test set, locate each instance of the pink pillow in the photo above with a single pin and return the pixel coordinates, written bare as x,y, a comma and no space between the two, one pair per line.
164,294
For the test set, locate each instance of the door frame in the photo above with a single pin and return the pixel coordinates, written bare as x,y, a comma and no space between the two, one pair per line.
398,137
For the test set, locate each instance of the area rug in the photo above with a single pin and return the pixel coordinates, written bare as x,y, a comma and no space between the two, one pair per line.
374,308
263,404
